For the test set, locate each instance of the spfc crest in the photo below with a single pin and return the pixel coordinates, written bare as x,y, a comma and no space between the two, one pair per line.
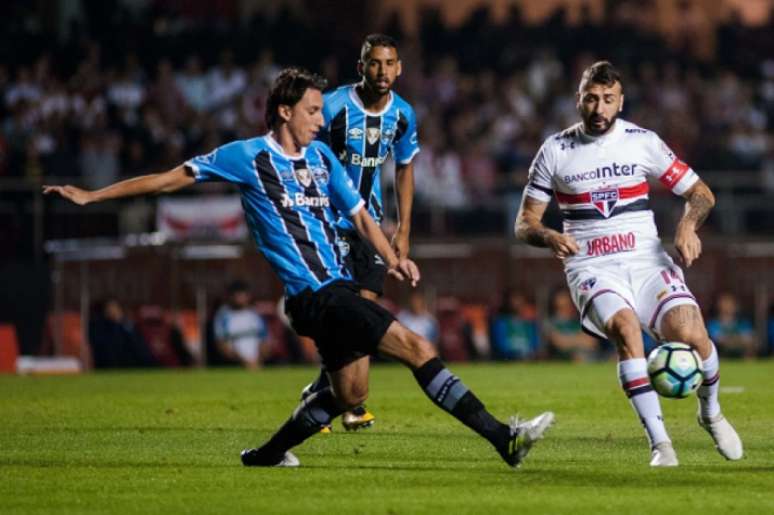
304,177
372,135
605,200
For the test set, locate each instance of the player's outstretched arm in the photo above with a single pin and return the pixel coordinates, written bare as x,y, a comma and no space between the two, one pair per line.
165,182
699,202
404,198
530,229
399,267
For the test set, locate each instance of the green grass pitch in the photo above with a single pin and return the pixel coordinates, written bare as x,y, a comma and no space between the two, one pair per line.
169,442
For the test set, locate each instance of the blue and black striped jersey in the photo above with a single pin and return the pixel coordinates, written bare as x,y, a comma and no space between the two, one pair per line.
291,205
361,140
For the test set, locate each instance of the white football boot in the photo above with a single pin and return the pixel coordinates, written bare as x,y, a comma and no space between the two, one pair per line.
523,435
253,458
663,455
726,439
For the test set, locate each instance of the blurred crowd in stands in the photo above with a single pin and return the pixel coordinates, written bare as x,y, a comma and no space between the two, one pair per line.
241,332
132,92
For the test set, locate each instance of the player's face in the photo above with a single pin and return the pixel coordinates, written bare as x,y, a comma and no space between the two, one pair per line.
305,118
599,106
380,69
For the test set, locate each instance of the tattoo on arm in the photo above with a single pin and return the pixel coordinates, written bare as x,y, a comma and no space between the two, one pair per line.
535,236
700,202
529,226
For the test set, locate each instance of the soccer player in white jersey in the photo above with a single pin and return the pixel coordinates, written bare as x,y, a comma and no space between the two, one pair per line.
620,277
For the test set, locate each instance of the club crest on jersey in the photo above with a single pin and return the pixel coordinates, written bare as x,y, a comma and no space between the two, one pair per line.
372,135
387,136
588,284
343,247
355,133
287,175
304,177
320,175
605,200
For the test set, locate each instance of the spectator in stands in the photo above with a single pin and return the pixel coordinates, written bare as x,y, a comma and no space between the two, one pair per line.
418,318
163,339
514,334
564,337
239,330
113,339
733,335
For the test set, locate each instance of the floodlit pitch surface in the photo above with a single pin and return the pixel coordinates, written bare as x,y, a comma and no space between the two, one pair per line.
169,442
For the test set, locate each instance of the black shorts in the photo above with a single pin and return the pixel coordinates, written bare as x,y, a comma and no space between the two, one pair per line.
344,326
364,263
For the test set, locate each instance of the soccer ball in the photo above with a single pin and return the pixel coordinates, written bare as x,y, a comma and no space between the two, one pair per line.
675,370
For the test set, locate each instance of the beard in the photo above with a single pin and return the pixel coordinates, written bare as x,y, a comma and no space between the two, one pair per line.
594,128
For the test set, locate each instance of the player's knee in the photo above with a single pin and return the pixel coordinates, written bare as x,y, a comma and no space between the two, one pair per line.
684,324
624,327
694,335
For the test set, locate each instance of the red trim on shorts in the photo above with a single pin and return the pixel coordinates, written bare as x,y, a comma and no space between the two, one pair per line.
597,294
674,173
585,198
661,304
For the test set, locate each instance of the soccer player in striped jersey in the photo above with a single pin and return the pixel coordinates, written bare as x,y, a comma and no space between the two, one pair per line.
620,277
292,190
364,123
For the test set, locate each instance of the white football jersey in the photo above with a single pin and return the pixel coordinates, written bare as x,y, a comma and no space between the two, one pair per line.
601,184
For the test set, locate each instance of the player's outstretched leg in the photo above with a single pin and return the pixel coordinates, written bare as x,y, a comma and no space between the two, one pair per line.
684,323
308,418
512,442
352,420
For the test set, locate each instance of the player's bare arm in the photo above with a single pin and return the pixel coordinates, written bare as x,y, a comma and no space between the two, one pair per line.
529,228
699,202
165,182
404,197
399,267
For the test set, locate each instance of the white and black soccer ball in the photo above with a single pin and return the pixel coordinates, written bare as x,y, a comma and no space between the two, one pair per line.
675,370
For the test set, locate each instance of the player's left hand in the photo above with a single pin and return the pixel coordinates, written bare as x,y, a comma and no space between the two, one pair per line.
400,243
405,269
71,193
688,245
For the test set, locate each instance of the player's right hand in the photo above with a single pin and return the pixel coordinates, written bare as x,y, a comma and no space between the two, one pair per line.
71,193
405,269
563,245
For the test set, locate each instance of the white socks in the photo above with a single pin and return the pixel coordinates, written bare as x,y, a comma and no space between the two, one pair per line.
708,391
633,374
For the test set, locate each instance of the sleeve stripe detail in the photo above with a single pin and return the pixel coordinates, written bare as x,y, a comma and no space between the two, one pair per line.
674,173
409,158
357,207
547,191
195,170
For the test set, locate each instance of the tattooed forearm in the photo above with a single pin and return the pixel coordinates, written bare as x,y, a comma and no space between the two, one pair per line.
529,227
700,202
535,236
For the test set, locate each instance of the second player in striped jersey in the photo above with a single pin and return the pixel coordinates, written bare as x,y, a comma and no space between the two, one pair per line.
364,123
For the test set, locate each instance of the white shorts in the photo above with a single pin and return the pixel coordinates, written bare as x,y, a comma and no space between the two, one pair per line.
650,286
